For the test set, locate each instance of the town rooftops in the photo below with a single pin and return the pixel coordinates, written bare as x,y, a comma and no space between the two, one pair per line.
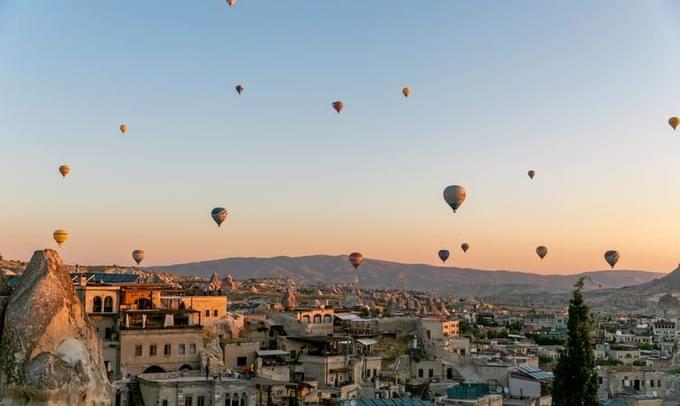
319,339
387,402
270,353
172,377
533,373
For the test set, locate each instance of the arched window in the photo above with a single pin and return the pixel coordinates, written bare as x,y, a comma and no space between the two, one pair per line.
97,304
327,318
317,319
234,399
227,400
305,319
108,304
244,399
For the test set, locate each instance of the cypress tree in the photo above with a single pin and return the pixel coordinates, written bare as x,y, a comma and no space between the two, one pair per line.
575,382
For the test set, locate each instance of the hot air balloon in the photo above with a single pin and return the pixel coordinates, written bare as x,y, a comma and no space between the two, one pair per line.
612,257
465,246
338,106
123,129
531,174
406,91
673,122
454,195
541,251
219,214
356,258
231,2
138,256
60,236
444,255
64,170
239,89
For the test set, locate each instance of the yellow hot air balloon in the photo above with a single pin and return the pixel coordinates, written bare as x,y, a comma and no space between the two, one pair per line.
673,122
123,129
60,236
64,170
406,91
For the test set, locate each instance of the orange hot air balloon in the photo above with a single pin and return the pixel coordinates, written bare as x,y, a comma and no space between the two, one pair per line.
60,236
64,170
123,129
673,122
338,106
356,259
406,91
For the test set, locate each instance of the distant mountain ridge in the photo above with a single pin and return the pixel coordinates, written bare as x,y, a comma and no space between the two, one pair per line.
384,274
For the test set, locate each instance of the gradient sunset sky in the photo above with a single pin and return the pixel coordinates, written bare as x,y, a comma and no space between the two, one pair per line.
580,92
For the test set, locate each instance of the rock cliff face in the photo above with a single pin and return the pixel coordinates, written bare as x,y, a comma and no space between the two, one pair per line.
49,351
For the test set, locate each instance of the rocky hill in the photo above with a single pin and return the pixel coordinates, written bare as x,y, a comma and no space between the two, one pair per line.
383,274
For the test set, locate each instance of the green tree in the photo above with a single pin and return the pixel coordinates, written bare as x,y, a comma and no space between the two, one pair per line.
575,381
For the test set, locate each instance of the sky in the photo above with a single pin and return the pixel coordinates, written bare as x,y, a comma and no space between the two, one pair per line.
579,92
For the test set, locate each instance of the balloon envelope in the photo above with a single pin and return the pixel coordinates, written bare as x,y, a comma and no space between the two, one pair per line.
673,122
231,2
444,255
123,128
219,214
531,174
338,106
64,170
406,91
239,89
612,257
465,246
60,236
356,258
541,251
138,256
454,196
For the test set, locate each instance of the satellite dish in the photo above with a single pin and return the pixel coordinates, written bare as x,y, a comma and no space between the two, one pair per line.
499,389
506,390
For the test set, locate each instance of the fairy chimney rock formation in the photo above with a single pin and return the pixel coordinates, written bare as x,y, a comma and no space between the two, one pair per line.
49,351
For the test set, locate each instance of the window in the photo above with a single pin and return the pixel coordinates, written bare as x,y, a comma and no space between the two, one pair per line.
107,333
214,313
317,319
108,304
192,348
599,380
305,319
244,398
152,350
327,319
207,313
167,349
97,304
200,401
658,383
227,400
188,401
138,350
234,399
181,349
420,372
430,373
164,402
241,361
429,334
